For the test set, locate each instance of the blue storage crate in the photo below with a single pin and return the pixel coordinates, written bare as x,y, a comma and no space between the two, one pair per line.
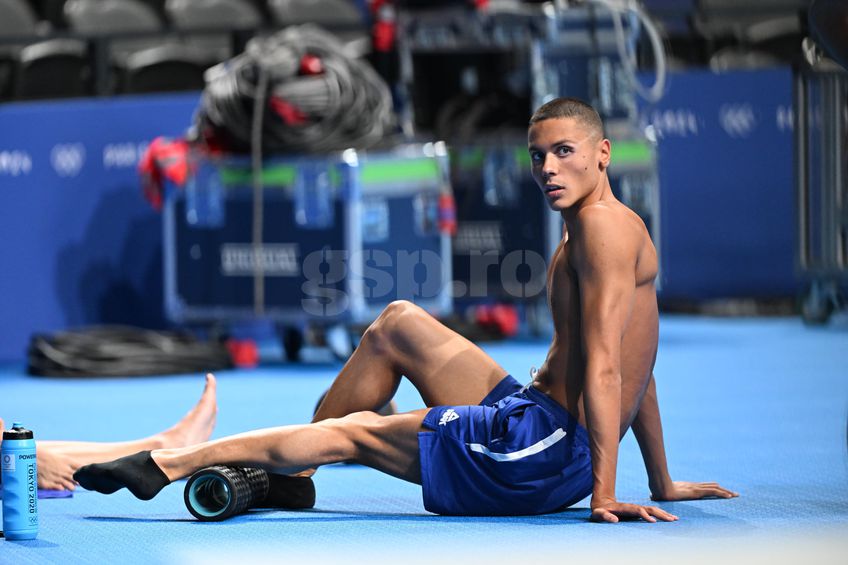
342,236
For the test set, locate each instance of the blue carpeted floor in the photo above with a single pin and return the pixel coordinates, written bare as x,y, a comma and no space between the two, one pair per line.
759,405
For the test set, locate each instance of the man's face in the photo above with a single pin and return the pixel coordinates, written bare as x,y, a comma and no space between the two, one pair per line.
567,161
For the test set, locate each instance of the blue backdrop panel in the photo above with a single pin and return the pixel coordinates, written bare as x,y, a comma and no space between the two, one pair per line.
78,243
726,183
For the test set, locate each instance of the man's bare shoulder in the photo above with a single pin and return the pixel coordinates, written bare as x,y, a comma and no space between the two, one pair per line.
613,238
608,228
608,216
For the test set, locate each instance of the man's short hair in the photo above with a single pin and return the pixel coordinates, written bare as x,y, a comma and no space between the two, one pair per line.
570,108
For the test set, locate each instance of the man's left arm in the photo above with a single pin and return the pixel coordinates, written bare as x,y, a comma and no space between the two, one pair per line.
647,427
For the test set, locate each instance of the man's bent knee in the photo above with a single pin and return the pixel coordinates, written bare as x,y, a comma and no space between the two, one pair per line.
381,332
358,419
396,312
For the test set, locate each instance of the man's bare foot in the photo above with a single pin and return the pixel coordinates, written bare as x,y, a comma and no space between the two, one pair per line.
55,470
197,425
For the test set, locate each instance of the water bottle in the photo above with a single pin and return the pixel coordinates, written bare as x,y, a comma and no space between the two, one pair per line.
20,484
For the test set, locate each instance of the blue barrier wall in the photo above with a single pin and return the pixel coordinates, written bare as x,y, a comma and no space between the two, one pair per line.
78,243
726,179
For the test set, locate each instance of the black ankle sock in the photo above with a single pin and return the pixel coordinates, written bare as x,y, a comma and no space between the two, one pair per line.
291,493
138,472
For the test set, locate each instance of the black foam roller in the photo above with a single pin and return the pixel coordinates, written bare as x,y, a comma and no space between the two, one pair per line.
220,492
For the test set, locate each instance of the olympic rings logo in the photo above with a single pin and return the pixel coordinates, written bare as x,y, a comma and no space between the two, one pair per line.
67,159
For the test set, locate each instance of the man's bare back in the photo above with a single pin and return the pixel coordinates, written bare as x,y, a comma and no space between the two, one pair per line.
562,374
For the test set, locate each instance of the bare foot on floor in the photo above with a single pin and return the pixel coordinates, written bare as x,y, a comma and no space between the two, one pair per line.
55,470
197,425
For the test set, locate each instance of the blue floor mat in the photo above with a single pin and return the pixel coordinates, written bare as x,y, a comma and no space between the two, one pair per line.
759,405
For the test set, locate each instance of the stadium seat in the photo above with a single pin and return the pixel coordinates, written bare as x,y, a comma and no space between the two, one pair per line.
322,12
187,15
763,32
158,6
740,58
165,68
342,17
51,11
53,69
156,61
16,19
37,69
109,17
715,19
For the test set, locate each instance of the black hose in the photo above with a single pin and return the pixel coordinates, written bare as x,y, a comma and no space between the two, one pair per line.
122,351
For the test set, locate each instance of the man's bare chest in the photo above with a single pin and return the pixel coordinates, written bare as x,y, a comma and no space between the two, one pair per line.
563,287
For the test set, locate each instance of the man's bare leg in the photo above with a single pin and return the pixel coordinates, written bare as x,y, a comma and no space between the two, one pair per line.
406,341
386,443
444,367
58,460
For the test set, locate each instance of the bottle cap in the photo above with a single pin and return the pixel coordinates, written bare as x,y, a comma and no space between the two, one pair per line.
18,431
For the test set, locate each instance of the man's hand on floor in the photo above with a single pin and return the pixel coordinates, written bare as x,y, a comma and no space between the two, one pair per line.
613,511
682,490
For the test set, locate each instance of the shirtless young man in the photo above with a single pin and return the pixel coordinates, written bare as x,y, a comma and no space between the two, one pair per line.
485,444
58,460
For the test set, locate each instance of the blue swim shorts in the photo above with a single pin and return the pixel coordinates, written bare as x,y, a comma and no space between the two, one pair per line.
517,453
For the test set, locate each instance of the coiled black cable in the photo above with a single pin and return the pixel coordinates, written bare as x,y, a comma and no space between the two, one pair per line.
346,105
122,351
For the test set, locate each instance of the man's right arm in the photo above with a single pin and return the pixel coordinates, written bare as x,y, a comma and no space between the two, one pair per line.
605,265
